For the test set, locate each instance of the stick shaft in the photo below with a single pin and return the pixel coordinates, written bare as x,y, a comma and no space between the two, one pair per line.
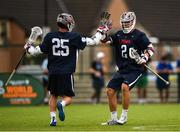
15,69
12,73
20,60
156,74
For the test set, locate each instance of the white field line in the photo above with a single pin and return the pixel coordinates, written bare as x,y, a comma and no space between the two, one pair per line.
153,126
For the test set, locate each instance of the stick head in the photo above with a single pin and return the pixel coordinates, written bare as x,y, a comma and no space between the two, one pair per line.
134,54
35,32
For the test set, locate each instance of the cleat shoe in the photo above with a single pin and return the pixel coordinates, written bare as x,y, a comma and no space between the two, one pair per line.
111,122
122,120
61,111
53,121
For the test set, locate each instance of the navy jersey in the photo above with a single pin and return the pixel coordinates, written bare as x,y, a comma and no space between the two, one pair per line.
164,66
123,43
97,66
62,50
160,67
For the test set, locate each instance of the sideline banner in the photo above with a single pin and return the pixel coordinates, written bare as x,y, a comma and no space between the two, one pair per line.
23,89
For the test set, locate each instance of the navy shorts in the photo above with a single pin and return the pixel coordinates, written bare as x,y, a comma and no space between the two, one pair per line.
98,83
130,78
61,85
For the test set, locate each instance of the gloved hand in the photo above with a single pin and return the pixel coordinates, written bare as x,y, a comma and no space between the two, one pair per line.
105,28
105,24
27,46
143,59
104,18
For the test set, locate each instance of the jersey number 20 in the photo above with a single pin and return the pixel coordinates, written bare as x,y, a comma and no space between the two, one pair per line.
60,49
125,51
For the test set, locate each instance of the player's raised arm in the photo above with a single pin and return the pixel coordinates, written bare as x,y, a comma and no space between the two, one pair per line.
32,50
42,48
104,26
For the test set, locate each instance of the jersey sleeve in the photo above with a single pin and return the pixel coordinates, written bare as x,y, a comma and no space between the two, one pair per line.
44,46
79,42
114,40
143,41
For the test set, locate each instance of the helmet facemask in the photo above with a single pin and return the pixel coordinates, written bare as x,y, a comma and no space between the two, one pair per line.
66,20
128,21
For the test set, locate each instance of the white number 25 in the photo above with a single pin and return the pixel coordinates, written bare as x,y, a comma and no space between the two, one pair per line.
60,43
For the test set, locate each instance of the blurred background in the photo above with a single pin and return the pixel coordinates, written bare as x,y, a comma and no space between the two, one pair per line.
159,19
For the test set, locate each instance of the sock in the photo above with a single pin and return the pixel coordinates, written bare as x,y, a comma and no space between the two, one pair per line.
63,103
114,115
124,112
53,114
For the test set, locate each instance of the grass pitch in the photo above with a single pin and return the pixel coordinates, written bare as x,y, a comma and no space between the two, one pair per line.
81,117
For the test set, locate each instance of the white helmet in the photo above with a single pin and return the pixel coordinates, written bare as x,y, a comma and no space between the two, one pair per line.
100,55
128,21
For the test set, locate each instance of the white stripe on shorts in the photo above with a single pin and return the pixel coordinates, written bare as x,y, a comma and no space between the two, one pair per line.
135,80
72,84
77,55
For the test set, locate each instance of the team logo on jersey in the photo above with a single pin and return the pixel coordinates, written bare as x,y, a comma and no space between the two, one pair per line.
83,39
125,41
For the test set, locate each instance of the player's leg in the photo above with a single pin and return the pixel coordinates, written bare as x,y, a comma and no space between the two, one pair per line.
61,104
66,100
66,92
53,99
166,95
94,95
112,101
125,103
161,95
144,88
125,96
52,107
46,94
139,94
129,82
98,94
141,89
144,95
113,85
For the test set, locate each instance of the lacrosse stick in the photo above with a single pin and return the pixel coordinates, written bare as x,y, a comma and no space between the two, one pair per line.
35,32
134,55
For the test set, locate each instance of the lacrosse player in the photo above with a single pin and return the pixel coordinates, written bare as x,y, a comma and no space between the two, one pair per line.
129,69
62,49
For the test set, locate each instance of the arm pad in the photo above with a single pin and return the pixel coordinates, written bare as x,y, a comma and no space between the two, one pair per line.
150,50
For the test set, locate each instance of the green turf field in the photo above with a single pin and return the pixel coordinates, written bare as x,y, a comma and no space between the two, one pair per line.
88,118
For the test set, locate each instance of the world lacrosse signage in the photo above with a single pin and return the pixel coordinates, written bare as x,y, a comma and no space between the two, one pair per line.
22,89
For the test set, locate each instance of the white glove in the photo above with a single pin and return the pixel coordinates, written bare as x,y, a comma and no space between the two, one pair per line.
105,23
27,46
105,28
142,60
